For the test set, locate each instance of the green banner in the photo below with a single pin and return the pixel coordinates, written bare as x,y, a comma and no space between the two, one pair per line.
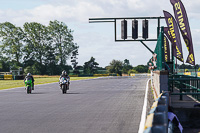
157,60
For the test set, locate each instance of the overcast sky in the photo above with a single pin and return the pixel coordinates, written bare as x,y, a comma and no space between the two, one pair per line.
97,40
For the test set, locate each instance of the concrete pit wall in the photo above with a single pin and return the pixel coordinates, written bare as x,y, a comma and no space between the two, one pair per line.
159,82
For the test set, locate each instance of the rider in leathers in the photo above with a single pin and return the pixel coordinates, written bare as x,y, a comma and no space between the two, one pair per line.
64,75
29,75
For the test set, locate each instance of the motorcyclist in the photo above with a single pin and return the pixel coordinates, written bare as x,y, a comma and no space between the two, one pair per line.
30,76
64,75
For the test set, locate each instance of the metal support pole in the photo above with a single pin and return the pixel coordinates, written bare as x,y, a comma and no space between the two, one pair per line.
180,89
115,30
162,48
158,28
174,64
172,57
114,20
195,70
147,47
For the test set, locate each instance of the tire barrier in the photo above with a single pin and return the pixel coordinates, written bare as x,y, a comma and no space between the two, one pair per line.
187,73
11,77
141,75
1,77
18,77
132,74
72,76
157,119
8,77
100,75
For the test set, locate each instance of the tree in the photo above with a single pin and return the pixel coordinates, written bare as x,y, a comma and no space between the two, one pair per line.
126,66
36,39
12,41
28,69
34,69
74,62
4,65
132,71
62,40
141,68
90,67
45,49
115,67
50,62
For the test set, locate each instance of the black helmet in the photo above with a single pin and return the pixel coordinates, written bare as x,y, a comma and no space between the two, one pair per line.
64,72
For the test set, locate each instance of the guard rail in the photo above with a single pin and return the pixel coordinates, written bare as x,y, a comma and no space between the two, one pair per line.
187,85
157,119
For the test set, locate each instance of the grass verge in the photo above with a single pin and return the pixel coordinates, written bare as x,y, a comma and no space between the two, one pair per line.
8,84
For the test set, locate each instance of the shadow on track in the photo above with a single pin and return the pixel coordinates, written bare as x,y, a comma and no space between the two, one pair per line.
38,93
73,93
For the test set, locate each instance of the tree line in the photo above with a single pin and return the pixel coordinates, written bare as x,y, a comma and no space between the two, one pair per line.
124,67
41,49
35,47
115,66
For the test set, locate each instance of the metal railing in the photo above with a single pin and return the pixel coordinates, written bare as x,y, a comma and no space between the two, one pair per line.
187,85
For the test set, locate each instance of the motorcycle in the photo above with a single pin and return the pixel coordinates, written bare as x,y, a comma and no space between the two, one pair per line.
64,84
29,85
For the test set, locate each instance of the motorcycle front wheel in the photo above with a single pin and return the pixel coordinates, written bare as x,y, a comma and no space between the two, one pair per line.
64,90
28,89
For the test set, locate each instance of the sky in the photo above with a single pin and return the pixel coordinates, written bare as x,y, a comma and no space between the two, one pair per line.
97,39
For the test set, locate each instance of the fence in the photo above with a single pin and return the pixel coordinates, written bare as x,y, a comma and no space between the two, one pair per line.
193,73
11,77
5,73
187,85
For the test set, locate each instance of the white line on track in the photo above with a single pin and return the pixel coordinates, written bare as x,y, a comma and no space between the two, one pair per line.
144,110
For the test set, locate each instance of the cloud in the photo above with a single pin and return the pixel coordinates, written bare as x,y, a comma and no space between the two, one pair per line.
44,13
81,10
97,40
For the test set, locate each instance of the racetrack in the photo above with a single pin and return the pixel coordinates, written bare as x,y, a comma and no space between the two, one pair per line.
91,106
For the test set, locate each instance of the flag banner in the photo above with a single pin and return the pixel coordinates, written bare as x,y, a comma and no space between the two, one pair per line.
175,36
182,20
167,33
166,49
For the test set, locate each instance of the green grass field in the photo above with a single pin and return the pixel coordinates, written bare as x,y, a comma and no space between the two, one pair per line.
7,84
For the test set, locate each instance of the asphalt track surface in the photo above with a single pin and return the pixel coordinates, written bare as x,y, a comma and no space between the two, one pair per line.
90,106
